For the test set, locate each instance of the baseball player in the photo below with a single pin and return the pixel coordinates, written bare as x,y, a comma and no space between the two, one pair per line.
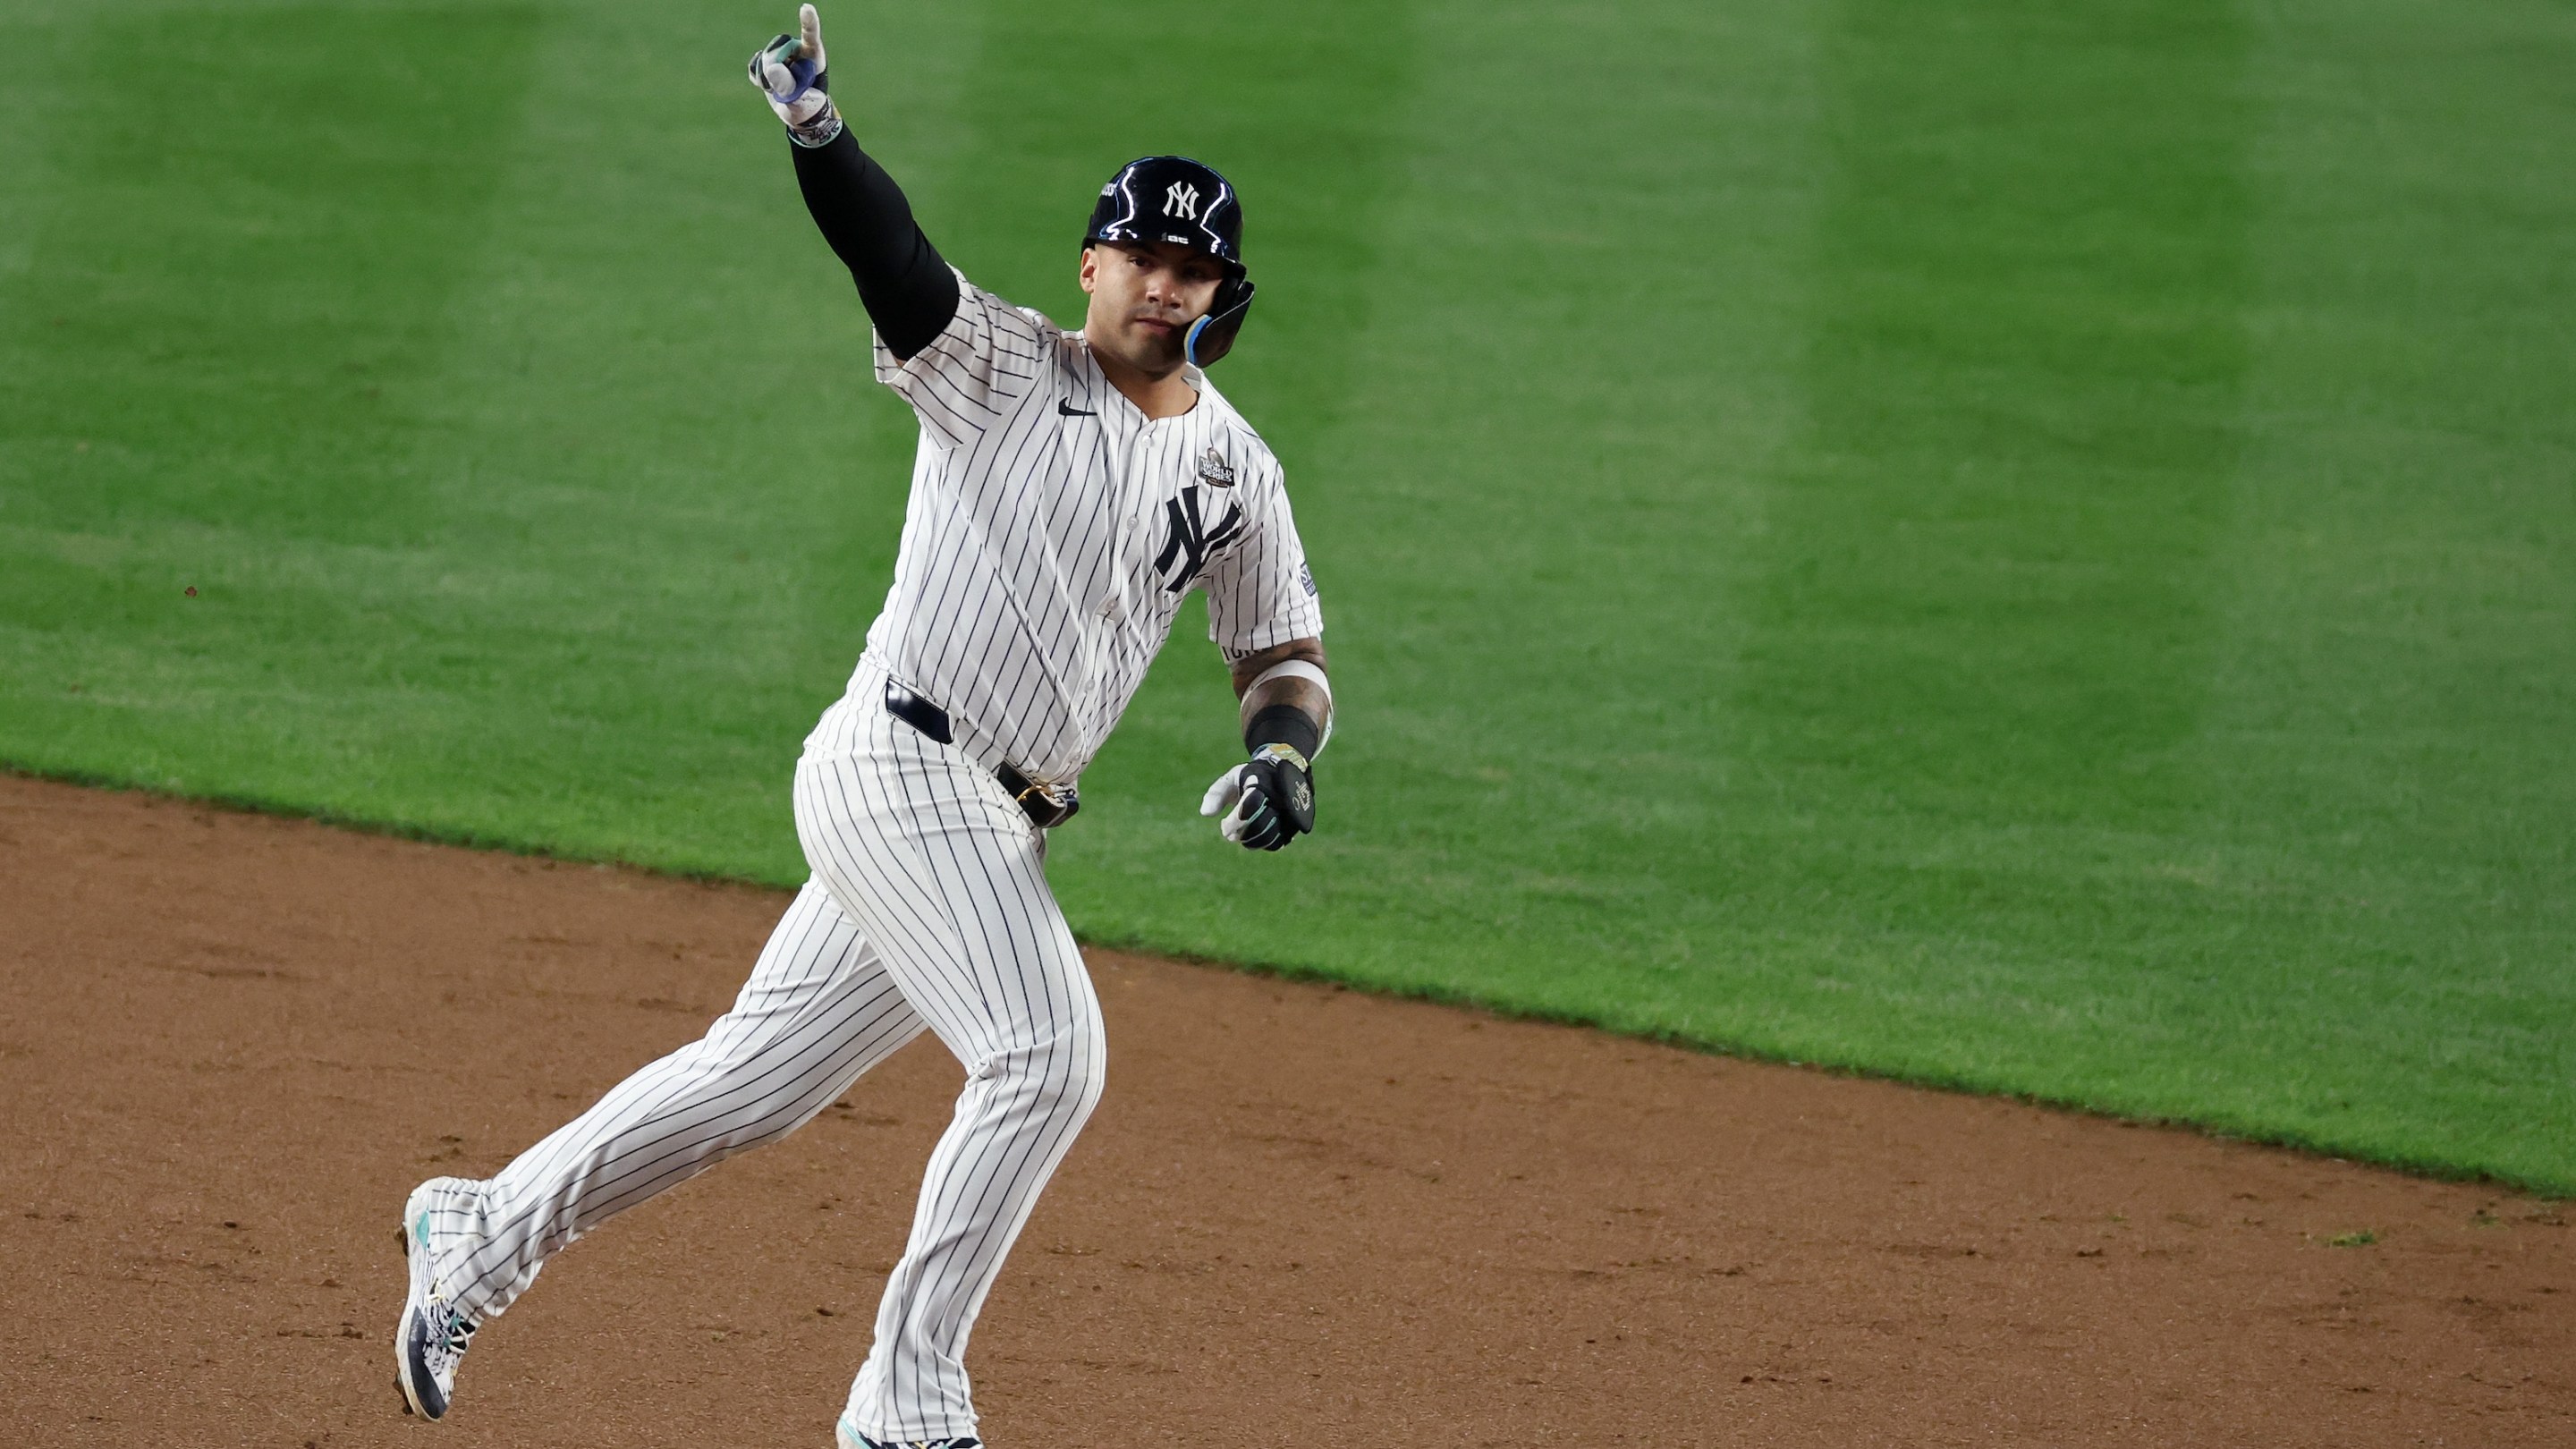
1069,489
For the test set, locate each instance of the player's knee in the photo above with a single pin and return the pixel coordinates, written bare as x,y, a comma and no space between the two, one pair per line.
1068,1087
1059,1078
1085,1084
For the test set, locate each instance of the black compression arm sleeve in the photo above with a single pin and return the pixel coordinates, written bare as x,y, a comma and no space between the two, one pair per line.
909,292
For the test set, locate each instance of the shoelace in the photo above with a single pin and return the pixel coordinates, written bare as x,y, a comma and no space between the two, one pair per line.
450,1333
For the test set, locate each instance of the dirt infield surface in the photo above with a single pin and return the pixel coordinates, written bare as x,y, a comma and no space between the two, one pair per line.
229,1044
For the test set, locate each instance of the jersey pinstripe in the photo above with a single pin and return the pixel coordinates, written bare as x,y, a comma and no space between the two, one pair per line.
1053,530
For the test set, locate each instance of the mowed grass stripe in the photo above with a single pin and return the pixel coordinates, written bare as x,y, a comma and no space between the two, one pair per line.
2386,740
1981,617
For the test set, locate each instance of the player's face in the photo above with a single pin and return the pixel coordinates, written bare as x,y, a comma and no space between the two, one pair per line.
1144,296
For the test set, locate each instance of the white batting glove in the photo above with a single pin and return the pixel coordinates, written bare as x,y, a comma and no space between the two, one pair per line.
789,70
1226,798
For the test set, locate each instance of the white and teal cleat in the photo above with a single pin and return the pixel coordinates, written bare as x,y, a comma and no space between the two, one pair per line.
430,1339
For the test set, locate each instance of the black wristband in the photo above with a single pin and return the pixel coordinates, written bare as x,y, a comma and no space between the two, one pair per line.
1283,724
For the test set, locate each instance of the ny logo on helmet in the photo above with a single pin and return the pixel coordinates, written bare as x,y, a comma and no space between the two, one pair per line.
1181,200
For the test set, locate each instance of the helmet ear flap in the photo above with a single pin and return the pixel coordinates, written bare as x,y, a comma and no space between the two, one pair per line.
1212,336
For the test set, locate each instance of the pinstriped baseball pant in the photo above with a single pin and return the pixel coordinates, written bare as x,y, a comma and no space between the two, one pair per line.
928,907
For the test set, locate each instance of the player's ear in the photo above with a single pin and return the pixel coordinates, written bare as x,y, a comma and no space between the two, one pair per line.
1090,266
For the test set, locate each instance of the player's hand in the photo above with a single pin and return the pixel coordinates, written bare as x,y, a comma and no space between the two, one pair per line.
1265,802
789,70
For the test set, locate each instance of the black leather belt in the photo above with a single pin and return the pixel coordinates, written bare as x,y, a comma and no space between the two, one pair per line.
1046,808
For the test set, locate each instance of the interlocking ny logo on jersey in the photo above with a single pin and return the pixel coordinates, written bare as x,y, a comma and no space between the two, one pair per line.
1181,200
1188,540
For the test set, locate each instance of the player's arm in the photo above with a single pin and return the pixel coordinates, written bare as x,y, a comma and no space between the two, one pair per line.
909,291
1261,684
1287,714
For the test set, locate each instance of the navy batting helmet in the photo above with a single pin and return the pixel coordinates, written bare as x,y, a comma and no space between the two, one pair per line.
1176,199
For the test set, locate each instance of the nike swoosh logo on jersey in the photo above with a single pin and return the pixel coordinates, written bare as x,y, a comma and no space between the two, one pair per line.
1069,410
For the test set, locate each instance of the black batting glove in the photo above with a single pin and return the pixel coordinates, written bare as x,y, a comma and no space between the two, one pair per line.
1265,802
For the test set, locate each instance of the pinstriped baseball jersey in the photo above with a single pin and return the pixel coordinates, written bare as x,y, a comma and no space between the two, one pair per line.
1053,530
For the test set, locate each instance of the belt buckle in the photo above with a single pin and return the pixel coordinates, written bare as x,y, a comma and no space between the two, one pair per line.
1046,808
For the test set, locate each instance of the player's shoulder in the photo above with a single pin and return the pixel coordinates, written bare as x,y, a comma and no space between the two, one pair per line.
1228,427
1002,309
1073,353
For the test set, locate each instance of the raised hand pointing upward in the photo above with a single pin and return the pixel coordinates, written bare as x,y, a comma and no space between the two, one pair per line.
790,70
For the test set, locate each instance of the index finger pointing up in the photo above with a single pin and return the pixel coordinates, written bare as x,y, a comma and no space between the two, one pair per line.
811,25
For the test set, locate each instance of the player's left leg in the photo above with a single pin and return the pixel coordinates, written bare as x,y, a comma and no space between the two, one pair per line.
942,870
1030,1086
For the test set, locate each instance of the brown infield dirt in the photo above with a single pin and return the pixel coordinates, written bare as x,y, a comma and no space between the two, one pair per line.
1304,1216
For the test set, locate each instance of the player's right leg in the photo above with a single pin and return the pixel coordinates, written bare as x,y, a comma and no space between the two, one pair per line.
817,1012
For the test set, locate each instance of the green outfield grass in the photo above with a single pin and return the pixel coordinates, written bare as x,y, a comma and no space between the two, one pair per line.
2021,546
